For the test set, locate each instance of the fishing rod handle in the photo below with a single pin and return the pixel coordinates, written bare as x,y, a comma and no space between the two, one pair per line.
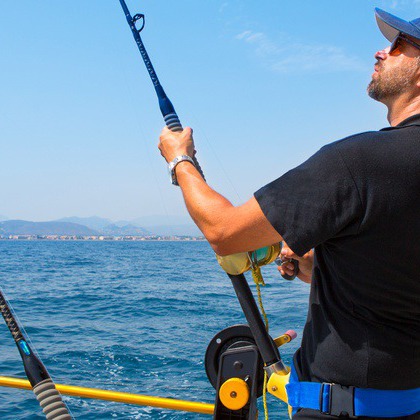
266,346
9,319
173,123
51,401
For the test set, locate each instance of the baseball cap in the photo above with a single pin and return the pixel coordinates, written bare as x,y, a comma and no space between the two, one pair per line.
391,25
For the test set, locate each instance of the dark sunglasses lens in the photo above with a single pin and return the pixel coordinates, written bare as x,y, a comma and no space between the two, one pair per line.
395,44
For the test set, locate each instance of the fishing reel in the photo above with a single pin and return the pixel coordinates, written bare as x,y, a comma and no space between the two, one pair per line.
247,261
235,369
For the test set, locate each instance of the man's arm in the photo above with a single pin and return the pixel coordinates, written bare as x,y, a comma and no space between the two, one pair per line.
228,229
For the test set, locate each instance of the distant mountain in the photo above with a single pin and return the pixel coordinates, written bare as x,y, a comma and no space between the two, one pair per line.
175,230
162,219
168,225
107,227
127,230
162,225
121,223
2,218
93,222
23,227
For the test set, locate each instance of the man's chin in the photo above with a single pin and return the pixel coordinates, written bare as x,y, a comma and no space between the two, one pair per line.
372,91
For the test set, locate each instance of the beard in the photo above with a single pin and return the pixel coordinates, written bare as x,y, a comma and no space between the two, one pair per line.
392,82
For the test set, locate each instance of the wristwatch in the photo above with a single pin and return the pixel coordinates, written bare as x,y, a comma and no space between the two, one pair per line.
172,165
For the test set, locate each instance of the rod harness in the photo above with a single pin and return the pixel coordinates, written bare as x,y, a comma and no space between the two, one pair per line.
264,346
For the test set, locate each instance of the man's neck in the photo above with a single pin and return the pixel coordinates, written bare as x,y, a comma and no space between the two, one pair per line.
402,108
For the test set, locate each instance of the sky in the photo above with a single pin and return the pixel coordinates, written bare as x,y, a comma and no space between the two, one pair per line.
263,84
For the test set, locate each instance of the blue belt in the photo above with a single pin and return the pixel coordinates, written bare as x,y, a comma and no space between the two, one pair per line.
335,399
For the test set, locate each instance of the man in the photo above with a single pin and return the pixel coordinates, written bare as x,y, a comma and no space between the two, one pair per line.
357,203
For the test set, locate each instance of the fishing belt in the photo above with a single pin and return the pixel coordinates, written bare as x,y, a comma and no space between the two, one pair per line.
336,400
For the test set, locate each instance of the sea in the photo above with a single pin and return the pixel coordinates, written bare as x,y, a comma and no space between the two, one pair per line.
129,316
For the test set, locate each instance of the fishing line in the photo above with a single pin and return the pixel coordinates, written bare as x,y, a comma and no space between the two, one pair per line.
146,144
213,150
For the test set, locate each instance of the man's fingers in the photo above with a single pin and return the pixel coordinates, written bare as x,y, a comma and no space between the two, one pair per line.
286,269
286,252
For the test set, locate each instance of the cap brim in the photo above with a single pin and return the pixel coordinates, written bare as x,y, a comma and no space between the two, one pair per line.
391,25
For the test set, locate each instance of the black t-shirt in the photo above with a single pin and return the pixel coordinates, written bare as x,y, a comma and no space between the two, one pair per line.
357,202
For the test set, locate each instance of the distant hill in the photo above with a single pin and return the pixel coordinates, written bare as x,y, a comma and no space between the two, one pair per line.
162,225
168,225
127,230
3,218
93,222
23,227
175,230
162,219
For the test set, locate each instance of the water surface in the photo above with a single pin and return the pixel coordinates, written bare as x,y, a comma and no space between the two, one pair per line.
128,316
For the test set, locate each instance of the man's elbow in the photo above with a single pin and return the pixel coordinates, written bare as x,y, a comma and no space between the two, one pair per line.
221,244
220,250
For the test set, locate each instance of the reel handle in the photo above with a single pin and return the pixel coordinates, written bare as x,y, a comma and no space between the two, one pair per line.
279,262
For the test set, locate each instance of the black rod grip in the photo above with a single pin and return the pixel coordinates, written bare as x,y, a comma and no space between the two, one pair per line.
265,344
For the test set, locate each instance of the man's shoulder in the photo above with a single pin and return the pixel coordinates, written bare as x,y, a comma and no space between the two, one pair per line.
368,139
356,140
369,143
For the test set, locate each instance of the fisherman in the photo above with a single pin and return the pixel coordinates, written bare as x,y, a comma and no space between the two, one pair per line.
357,203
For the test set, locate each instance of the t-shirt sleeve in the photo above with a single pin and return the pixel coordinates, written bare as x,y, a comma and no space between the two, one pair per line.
313,202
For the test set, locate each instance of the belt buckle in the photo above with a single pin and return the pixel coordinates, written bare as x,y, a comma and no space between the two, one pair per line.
340,400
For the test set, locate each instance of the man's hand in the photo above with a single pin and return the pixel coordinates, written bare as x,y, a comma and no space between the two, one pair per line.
173,144
305,263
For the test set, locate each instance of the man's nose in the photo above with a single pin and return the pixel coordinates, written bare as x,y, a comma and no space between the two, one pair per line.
382,54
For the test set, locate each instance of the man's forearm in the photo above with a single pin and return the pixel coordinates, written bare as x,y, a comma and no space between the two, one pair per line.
228,229
208,209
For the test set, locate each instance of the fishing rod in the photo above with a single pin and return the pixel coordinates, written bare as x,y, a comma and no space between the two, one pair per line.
167,109
173,123
230,388
42,385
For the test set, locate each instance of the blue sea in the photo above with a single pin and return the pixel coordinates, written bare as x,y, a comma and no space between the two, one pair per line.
128,316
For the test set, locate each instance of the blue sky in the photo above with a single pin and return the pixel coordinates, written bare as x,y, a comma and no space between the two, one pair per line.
264,85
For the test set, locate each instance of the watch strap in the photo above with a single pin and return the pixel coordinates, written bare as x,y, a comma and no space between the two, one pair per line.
174,162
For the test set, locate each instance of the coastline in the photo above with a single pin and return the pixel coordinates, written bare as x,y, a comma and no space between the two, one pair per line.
102,238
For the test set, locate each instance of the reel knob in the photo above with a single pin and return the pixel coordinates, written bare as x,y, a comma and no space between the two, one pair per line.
234,393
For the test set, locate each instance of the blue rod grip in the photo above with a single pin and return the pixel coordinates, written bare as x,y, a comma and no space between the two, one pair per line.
171,119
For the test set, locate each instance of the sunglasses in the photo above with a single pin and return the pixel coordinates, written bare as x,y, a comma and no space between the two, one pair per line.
396,43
